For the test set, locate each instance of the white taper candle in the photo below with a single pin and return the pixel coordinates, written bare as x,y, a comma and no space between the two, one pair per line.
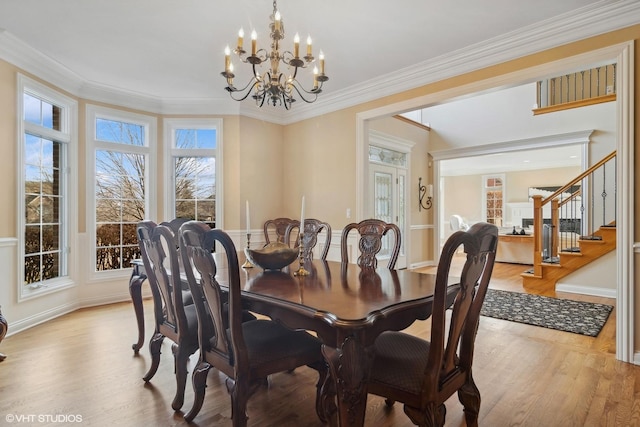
248,222
302,217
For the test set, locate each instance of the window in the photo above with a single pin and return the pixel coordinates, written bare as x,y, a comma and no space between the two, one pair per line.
46,128
193,169
493,202
120,155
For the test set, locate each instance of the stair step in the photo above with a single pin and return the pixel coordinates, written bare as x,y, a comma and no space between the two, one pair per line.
551,264
571,254
528,274
593,242
589,238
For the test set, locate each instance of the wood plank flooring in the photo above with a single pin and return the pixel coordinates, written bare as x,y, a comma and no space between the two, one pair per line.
82,364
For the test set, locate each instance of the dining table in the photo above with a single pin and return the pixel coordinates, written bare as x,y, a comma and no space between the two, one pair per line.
347,306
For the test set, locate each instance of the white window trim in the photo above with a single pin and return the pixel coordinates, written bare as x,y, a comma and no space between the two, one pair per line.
484,195
150,125
69,136
170,125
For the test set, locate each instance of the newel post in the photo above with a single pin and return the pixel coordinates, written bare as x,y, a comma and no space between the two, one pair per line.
555,232
537,235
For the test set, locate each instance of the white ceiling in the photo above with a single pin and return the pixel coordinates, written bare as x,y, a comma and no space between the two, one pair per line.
556,157
171,52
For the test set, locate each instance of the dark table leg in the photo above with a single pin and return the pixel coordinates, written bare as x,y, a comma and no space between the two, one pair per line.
349,365
4,326
135,290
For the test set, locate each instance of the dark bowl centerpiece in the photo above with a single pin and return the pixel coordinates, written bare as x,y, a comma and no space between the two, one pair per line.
274,256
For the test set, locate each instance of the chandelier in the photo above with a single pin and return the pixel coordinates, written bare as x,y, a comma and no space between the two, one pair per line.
272,86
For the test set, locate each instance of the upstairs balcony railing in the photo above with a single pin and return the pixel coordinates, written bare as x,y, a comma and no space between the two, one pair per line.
577,89
578,210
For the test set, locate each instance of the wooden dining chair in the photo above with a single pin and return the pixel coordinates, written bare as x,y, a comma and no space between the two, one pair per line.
279,226
312,228
174,312
247,353
371,232
424,374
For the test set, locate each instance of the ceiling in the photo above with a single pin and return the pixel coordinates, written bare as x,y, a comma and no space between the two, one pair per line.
169,54
545,158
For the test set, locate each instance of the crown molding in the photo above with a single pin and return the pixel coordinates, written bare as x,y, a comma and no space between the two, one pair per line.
602,17
16,52
545,141
588,21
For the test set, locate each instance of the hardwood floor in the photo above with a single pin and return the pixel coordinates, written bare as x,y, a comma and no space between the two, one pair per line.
82,364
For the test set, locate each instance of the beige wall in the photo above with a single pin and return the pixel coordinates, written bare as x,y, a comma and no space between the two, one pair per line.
321,165
463,194
8,120
262,162
518,182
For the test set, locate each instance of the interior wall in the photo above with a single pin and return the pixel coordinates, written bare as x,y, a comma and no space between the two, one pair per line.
262,161
463,194
320,165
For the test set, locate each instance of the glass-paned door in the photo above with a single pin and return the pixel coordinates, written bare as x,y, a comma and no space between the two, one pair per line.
388,196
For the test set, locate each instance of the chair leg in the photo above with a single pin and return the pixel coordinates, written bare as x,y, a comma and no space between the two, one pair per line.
155,344
239,398
323,390
181,360
469,396
199,380
432,416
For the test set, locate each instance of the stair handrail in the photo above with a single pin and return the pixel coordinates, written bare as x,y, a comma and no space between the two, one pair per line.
539,203
579,178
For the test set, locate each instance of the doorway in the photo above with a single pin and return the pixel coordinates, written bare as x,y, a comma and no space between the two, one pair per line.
388,188
386,191
623,55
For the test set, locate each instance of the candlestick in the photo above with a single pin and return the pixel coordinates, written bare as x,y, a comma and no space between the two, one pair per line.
309,46
247,263
301,270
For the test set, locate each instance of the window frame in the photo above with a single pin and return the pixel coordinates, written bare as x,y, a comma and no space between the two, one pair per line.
171,152
67,136
485,189
149,150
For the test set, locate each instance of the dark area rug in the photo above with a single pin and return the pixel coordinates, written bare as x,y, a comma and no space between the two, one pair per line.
564,315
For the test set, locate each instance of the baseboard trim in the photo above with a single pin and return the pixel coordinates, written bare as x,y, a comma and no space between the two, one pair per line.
587,290
41,317
45,316
421,264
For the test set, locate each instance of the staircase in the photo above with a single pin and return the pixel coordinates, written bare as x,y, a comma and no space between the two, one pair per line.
572,237
570,261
